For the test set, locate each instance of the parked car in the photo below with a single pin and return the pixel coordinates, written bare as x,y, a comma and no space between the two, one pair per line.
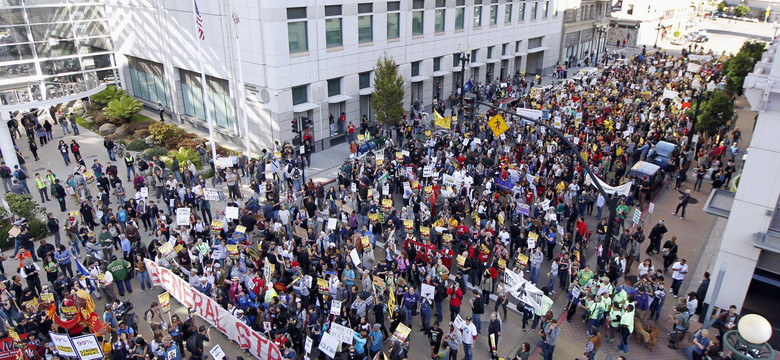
700,38
649,171
663,152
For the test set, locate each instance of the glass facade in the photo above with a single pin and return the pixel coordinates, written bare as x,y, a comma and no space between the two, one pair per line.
218,93
148,80
53,48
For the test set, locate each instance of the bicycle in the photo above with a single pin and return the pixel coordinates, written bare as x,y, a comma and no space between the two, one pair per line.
119,150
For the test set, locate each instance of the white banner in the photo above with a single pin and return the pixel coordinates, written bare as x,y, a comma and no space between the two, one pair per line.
328,345
523,289
182,216
342,333
211,194
622,190
231,212
224,163
87,347
211,312
63,344
427,291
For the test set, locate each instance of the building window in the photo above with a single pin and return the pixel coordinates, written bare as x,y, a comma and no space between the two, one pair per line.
517,45
365,23
218,93
546,8
456,62
521,12
508,13
148,80
296,30
364,80
494,13
460,14
474,55
393,19
415,68
440,16
534,7
477,13
630,10
300,94
437,63
418,17
535,42
490,52
334,87
333,26
504,49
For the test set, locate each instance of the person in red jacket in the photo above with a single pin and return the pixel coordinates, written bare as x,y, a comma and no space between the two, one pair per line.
456,295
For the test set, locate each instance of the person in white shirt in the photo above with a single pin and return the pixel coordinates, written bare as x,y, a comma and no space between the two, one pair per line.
469,335
680,269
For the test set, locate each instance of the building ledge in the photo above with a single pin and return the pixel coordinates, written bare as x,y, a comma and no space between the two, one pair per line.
769,241
719,203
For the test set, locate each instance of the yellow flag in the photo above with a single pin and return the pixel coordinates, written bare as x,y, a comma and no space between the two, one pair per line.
443,122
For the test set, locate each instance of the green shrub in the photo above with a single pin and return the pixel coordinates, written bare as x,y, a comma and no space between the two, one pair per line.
23,205
137,145
84,123
183,154
110,93
677,33
4,242
123,108
164,134
38,229
155,151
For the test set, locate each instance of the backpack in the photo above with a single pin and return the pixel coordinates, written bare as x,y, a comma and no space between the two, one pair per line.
686,323
5,172
191,344
21,175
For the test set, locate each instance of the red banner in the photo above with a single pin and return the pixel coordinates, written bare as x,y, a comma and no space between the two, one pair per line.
7,349
214,314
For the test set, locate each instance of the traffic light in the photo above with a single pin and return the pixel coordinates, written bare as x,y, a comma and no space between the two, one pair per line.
295,128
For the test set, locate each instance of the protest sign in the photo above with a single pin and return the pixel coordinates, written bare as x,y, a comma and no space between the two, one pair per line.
182,216
63,344
87,347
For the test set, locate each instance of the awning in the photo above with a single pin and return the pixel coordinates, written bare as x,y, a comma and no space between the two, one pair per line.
339,98
477,64
304,107
538,49
419,78
366,91
53,101
443,73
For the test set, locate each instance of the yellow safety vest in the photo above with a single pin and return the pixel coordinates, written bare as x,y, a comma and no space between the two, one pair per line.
41,183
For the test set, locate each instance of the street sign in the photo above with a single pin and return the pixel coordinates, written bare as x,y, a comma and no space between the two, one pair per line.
637,216
498,125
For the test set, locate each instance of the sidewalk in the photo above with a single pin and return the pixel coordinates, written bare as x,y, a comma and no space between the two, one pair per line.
324,166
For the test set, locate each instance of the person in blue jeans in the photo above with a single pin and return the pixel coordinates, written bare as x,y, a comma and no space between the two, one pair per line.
536,261
549,336
411,299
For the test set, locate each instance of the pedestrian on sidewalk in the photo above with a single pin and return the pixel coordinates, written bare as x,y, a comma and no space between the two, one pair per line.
40,182
21,176
679,270
109,145
64,123
73,124
593,344
684,199
64,151
549,336
161,111
33,148
655,236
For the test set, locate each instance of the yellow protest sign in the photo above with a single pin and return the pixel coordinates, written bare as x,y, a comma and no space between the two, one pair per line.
427,133
48,297
409,226
440,121
364,240
165,301
461,260
498,125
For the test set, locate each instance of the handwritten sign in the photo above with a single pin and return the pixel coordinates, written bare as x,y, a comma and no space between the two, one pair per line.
342,333
182,216
329,344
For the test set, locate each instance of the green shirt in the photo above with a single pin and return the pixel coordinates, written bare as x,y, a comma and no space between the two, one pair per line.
119,269
105,239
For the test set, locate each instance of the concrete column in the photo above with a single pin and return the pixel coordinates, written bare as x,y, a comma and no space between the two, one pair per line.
6,142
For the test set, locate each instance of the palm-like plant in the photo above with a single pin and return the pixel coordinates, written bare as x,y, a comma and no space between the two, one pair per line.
110,93
123,108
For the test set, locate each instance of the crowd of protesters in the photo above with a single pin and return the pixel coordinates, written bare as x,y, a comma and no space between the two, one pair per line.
416,207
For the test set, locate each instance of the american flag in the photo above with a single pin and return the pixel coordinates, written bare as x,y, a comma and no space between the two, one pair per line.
199,22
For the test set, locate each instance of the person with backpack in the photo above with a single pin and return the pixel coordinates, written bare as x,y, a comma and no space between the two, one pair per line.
6,176
21,177
682,323
195,341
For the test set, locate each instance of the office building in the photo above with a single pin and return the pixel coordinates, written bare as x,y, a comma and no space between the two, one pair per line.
307,59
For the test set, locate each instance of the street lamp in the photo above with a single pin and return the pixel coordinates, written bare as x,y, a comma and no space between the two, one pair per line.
657,33
463,57
600,45
749,341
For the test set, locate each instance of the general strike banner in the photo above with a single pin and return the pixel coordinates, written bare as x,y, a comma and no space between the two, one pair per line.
210,311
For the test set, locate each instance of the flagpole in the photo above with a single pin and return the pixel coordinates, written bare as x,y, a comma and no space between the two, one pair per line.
203,87
241,91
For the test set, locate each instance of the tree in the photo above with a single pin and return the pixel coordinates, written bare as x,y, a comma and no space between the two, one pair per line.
123,108
388,98
715,113
722,6
742,64
741,10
